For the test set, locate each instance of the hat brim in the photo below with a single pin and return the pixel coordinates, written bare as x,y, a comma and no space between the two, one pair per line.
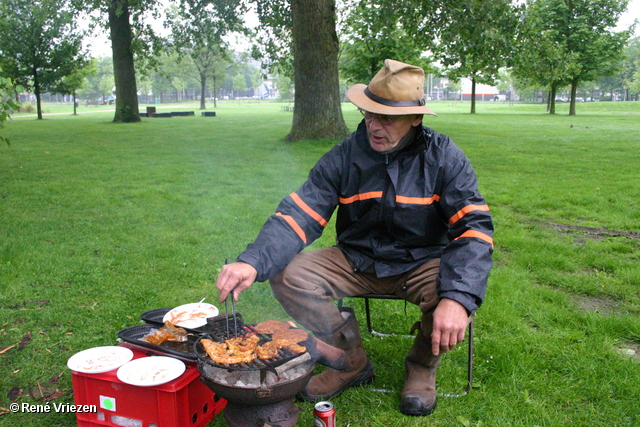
356,95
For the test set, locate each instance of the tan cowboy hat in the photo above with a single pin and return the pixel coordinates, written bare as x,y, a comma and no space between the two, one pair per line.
397,89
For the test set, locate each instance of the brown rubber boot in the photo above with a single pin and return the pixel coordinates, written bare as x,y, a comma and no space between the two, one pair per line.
332,382
418,396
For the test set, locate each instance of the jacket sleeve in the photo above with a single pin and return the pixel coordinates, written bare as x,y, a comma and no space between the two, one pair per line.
467,258
299,220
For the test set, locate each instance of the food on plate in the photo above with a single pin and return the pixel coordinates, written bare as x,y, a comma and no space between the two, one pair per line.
184,316
232,351
168,332
270,326
270,349
293,335
193,315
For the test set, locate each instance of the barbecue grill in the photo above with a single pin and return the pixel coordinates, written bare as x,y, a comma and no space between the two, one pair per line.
260,393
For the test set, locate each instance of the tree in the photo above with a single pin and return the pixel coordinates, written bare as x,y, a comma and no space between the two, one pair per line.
634,86
631,67
318,111
127,109
101,83
71,83
131,38
470,38
540,60
241,75
311,25
475,39
583,32
239,83
198,31
44,46
372,33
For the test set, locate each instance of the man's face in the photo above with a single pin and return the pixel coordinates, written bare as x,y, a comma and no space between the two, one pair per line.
386,132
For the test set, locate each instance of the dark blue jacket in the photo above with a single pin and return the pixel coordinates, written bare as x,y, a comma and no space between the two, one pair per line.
395,212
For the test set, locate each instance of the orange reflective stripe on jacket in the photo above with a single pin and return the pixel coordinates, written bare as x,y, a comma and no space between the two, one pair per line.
469,208
477,234
361,196
296,227
313,214
417,200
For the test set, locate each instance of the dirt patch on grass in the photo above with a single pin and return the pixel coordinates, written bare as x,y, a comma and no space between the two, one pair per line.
594,231
597,304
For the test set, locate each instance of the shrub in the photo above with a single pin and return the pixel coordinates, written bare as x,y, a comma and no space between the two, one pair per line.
27,108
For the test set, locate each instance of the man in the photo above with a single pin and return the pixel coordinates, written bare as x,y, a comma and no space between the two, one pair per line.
410,222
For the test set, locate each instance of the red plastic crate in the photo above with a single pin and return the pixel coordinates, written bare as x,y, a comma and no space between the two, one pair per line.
183,402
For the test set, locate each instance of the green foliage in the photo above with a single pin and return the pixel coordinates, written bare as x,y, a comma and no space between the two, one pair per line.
477,38
274,41
570,42
72,82
197,32
44,49
371,33
99,83
7,105
131,37
631,71
146,44
284,86
471,39
27,107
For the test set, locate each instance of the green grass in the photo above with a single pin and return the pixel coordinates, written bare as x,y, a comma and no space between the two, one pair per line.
103,221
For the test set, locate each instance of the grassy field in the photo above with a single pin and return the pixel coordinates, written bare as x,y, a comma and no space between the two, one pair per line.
103,221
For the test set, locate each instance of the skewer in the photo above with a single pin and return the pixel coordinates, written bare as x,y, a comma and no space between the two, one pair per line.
235,317
226,313
226,304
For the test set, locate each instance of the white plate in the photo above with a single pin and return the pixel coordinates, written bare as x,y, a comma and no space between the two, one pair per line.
191,315
99,359
150,371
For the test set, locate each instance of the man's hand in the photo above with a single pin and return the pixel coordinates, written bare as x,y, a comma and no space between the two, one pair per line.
235,278
450,321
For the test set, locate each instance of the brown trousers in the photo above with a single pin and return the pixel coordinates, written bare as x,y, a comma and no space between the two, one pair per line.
307,287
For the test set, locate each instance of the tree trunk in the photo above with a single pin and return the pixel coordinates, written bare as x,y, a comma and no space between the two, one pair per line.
473,96
574,89
552,100
123,70
36,91
318,110
548,101
215,92
203,90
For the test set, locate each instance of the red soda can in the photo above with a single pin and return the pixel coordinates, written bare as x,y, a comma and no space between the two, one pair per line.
324,415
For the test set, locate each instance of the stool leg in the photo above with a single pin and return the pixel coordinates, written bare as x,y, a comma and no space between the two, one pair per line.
366,308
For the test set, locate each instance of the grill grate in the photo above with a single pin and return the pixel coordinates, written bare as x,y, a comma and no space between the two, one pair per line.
284,355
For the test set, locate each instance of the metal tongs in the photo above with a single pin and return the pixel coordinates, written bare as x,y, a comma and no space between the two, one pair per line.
233,307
